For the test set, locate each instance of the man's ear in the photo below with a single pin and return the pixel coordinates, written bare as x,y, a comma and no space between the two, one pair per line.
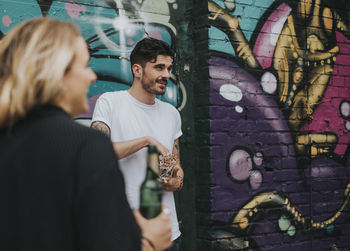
137,70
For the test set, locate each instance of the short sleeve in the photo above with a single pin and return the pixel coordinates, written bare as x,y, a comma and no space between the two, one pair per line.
103,109
103,218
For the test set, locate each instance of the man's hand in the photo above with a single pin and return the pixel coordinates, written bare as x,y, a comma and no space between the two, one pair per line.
156,232
174,183
162,150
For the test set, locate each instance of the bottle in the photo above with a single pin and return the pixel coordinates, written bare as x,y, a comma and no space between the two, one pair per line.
151,189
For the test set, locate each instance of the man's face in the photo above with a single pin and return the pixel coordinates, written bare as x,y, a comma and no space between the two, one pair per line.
156,74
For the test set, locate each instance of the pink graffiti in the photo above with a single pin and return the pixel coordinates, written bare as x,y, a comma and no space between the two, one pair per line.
327,117
130,41
267,39
73,9
155,34
6,20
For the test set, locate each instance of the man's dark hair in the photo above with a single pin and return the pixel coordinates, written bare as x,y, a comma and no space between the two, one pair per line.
147,50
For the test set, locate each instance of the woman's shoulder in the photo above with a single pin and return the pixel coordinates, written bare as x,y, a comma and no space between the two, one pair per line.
85,132
65,129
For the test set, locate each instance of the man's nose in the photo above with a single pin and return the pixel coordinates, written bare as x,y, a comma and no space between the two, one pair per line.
166,74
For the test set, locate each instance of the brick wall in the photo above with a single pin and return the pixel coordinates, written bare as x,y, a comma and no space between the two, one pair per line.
279,113
263,90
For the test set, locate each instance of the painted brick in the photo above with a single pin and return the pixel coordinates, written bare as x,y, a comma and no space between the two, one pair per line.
313,185
256,121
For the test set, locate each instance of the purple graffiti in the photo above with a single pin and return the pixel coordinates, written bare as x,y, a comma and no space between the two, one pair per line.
257,137
260,156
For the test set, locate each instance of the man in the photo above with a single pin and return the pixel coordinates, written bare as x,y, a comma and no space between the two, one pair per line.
135,119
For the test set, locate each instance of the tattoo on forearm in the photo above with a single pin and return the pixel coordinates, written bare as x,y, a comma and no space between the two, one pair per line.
176,150
102,127
177,146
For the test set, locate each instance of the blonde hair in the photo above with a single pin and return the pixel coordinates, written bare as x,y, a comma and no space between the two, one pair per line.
34,56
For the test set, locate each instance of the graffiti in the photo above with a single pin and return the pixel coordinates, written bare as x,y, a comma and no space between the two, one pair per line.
279,107
280,91
251,208
111,29
240,164
303,75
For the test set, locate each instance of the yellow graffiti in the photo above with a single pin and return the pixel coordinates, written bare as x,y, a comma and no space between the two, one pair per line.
316,143
303,74
242,218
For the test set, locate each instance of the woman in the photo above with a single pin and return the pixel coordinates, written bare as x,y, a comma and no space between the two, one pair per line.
60,185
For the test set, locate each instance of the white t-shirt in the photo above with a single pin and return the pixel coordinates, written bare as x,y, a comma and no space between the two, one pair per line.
130,119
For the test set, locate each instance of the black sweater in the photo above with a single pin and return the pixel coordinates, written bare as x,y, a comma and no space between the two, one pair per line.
61,188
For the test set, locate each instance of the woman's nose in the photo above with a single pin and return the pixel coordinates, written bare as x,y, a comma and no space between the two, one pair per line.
93,76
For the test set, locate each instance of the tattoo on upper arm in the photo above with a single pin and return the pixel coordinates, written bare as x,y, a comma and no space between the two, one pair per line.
102,127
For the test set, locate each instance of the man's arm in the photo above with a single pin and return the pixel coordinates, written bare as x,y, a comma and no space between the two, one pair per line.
175,183
102,127
126,148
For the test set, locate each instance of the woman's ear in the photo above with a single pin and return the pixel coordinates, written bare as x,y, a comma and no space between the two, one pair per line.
137,70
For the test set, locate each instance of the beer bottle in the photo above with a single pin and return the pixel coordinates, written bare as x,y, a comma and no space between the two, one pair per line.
151,189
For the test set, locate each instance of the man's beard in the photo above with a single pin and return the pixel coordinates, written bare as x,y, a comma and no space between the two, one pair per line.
147,86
